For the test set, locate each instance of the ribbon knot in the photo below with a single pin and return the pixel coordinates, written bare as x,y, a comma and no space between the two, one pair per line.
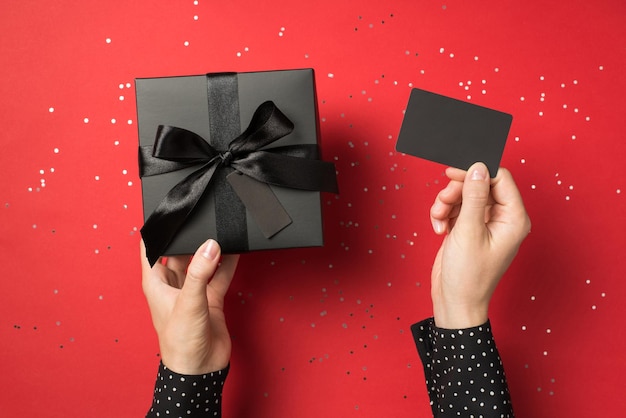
293,166
227,158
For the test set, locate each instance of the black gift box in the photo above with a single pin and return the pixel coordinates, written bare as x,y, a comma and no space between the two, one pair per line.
218,108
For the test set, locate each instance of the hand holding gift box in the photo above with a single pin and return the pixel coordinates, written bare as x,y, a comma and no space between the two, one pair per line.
272,196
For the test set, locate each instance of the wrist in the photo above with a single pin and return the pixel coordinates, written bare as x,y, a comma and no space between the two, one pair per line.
459,316
182,365
194,359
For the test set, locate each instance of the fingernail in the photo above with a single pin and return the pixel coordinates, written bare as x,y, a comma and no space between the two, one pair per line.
210,250
480,173
437,226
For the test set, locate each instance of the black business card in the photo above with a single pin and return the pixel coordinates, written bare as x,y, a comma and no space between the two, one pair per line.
452,132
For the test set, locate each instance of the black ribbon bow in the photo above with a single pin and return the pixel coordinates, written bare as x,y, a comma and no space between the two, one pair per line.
293,166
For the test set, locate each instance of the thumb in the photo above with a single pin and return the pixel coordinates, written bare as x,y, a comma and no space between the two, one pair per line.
202,267
476,189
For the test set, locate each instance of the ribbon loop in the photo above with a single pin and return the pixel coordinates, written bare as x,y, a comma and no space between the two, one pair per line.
267,125
181,145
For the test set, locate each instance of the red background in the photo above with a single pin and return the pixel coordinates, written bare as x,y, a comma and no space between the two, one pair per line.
323,331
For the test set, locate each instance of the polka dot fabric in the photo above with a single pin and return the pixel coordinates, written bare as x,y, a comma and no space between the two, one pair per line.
464,372
177,395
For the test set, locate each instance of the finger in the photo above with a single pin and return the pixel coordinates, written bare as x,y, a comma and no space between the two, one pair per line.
504,189
445,203
476,189
455,174
202,267
454,213
224,276
447,198
145,264
452,193
146,269
507,196
151,277
178,264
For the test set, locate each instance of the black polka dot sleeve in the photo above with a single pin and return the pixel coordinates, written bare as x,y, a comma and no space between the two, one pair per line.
177,395
464,373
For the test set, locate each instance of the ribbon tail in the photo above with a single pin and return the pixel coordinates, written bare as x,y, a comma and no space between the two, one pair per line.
162,225
261,202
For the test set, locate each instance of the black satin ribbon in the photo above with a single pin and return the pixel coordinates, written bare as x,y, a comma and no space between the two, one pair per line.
293,166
